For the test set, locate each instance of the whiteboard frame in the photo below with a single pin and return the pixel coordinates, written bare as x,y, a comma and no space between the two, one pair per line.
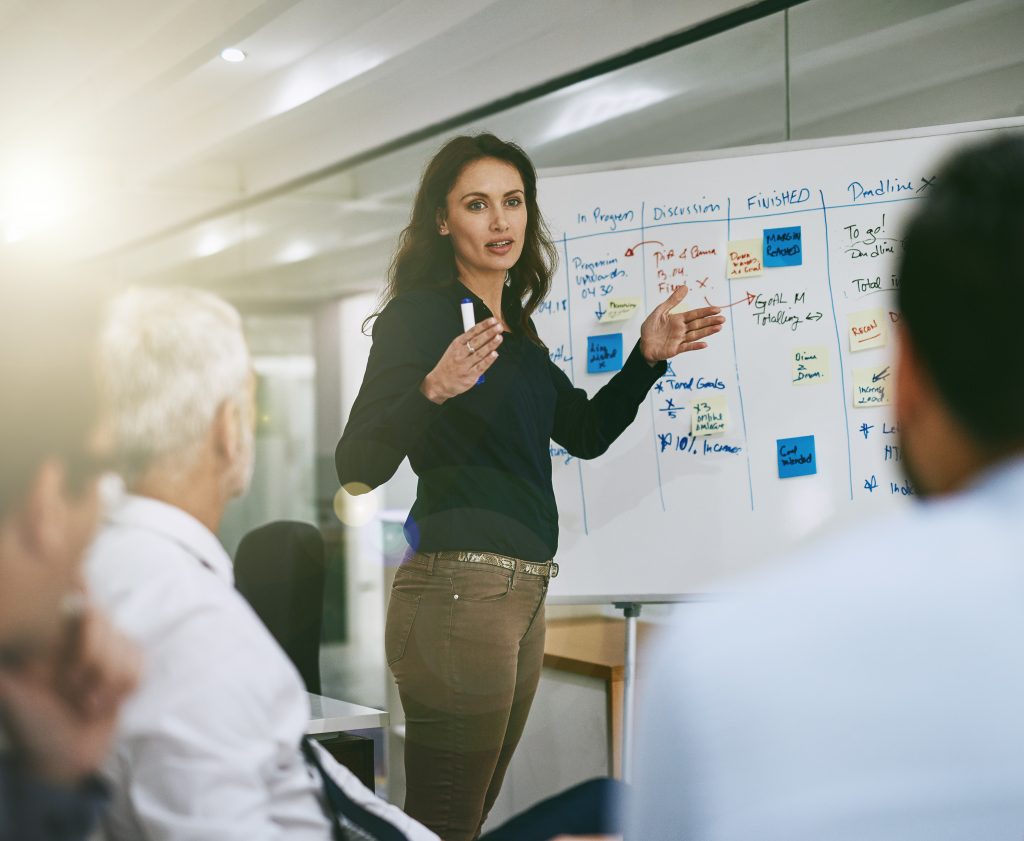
941,130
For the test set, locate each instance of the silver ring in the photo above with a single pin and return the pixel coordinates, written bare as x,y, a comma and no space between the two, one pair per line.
470,347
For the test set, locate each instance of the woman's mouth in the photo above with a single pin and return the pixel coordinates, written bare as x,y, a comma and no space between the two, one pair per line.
499,246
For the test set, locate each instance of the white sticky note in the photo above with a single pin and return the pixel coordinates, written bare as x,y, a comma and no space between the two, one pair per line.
619,309
810,365
709,415
872,386
867,329
746,258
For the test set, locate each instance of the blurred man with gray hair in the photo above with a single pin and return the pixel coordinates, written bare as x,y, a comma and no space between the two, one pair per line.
211,745
208,748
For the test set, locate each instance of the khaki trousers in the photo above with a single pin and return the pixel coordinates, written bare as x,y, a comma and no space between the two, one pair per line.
465,643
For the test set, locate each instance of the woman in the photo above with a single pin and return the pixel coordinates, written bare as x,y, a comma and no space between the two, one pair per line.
474,411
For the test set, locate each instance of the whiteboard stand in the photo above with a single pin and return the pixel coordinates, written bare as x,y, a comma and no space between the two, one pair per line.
630,606
631,610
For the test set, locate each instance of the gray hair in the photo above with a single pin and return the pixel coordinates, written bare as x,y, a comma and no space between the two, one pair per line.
168,359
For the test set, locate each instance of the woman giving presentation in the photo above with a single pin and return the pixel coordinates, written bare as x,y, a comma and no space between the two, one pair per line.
474,410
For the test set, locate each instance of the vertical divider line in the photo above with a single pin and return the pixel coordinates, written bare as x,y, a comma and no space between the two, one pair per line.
735,353
572,370
650,395
839,341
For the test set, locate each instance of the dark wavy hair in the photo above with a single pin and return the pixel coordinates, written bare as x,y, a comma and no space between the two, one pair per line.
425,259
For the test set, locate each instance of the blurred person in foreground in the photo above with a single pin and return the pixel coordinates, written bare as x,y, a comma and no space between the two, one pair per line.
63,670
212,746
872,689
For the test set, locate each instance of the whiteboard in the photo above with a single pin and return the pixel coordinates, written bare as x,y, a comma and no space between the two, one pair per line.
670,513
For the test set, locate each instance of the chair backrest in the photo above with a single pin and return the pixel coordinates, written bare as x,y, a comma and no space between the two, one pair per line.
279,568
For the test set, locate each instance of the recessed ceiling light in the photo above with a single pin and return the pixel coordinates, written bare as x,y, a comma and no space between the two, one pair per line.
232,54
296,251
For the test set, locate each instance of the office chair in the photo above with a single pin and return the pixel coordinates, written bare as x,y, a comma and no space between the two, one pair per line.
279,569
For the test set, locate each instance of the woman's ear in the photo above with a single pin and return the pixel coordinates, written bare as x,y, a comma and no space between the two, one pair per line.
442,222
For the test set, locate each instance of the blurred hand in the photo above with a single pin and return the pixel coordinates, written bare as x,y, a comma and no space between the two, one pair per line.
664,335
60,710
466,358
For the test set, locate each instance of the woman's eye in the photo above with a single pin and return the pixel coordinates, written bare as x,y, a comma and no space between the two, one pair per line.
476,205
514,202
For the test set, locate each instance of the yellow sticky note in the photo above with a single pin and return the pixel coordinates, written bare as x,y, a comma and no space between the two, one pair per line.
867,329
871,386
619,309
746,258
810,365
709,415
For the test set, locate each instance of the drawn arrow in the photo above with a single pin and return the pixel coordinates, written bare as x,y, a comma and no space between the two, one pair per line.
751,297
631,251
814,316
881,375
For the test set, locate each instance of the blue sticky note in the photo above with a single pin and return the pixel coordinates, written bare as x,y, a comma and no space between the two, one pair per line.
783,247
796,456
604,353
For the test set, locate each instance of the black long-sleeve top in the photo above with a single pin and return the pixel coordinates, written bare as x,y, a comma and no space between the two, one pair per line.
482,457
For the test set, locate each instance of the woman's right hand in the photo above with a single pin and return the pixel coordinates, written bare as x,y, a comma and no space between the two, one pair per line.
466,358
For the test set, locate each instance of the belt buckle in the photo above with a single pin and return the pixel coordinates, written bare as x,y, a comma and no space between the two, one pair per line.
553,570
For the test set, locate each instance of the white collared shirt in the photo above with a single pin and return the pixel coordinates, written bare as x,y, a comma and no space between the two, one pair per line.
871,689
208,747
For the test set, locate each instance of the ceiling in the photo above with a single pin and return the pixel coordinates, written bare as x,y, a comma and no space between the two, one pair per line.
127,104
126,140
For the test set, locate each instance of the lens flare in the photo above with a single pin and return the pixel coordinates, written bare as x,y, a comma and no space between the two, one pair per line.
355,504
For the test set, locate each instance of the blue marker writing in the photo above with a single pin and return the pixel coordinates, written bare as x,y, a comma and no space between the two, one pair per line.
468,321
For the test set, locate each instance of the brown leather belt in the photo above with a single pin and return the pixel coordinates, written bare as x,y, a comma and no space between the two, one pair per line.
548,569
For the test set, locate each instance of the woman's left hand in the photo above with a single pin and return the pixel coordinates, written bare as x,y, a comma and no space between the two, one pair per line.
665,334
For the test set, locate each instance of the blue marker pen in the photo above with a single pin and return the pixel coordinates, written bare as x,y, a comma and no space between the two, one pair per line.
468,320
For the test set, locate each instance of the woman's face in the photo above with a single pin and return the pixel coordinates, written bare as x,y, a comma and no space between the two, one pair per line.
486,217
